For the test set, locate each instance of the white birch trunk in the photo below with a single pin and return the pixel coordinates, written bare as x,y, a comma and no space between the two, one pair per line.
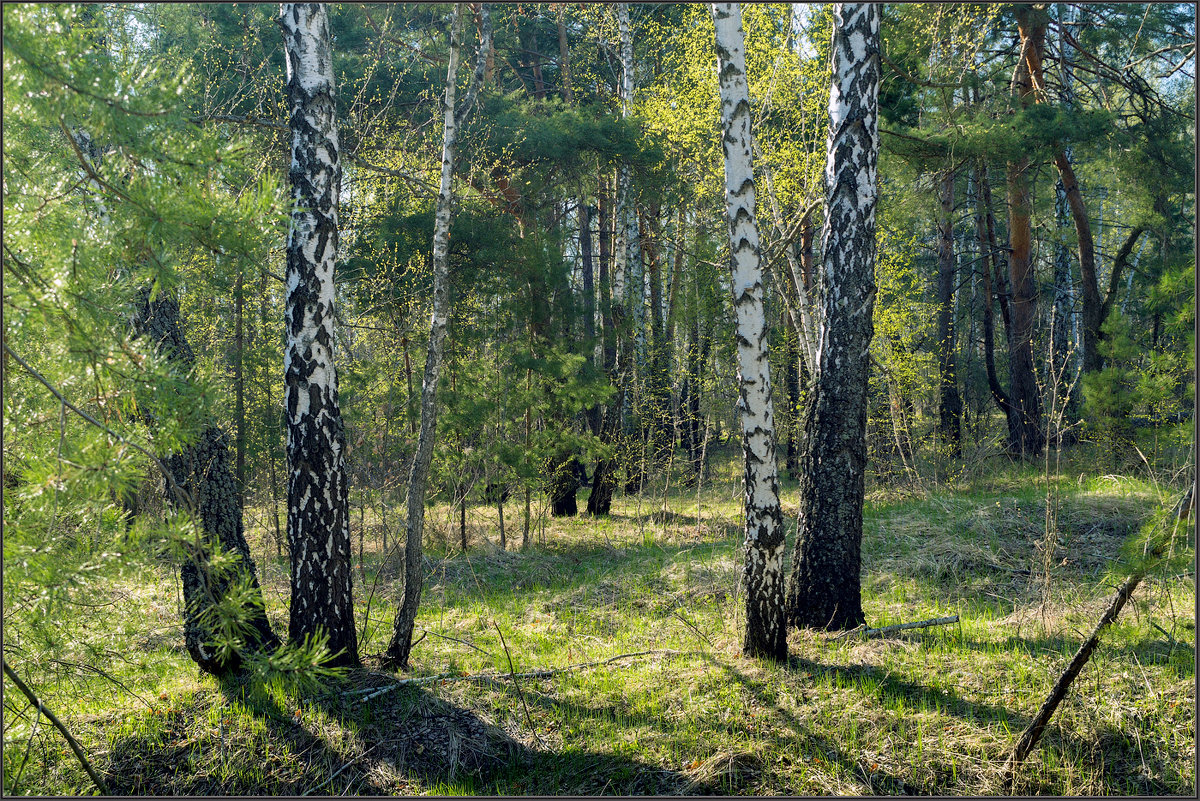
762,575
401,643
318,524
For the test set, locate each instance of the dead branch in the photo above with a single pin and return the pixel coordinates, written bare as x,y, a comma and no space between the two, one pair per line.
513,675
920,624
71,741
1033,732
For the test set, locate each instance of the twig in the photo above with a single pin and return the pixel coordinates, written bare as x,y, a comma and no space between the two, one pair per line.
1174,642
855,630
455,639
513,674
338,772
688,623
71,741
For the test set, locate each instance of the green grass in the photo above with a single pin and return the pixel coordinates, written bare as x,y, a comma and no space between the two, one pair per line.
931,711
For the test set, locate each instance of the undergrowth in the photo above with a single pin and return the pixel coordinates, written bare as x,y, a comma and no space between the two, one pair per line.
924,711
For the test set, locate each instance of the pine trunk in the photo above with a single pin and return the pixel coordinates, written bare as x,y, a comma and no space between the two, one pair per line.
203,472
1025,395
762,575
318,522
825,590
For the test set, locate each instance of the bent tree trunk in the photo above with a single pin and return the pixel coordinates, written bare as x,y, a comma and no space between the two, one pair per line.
762,574
1025,395
318,524
202,471
400,645
989,319
825,590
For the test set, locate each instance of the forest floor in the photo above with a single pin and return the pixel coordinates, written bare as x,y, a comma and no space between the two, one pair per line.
677,709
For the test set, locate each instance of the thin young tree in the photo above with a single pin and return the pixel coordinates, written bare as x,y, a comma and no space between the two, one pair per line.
402,628
318,521
825,590
949,401
762,574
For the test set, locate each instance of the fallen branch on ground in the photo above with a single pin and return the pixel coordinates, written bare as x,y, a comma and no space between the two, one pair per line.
496,677
920,624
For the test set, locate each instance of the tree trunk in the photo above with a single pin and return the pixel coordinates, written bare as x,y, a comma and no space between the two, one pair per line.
1025,395
202,471
562,486
762,574
400,646
792,384
987,252
604,478
318,505
239,388
825,590
950,402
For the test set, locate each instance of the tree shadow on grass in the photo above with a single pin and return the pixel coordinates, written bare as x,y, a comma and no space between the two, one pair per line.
404,742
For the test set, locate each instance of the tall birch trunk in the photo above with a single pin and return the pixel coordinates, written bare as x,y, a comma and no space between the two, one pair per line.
825,590
318,524
1025,395
762,574
400,646
628,278
949,401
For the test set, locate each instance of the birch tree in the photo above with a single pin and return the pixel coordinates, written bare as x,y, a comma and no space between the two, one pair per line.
762,574
825,589
402,628
318,523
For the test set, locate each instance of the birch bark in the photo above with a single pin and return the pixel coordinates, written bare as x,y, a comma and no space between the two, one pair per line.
318,524
400,646
825,589
950,402
762,574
